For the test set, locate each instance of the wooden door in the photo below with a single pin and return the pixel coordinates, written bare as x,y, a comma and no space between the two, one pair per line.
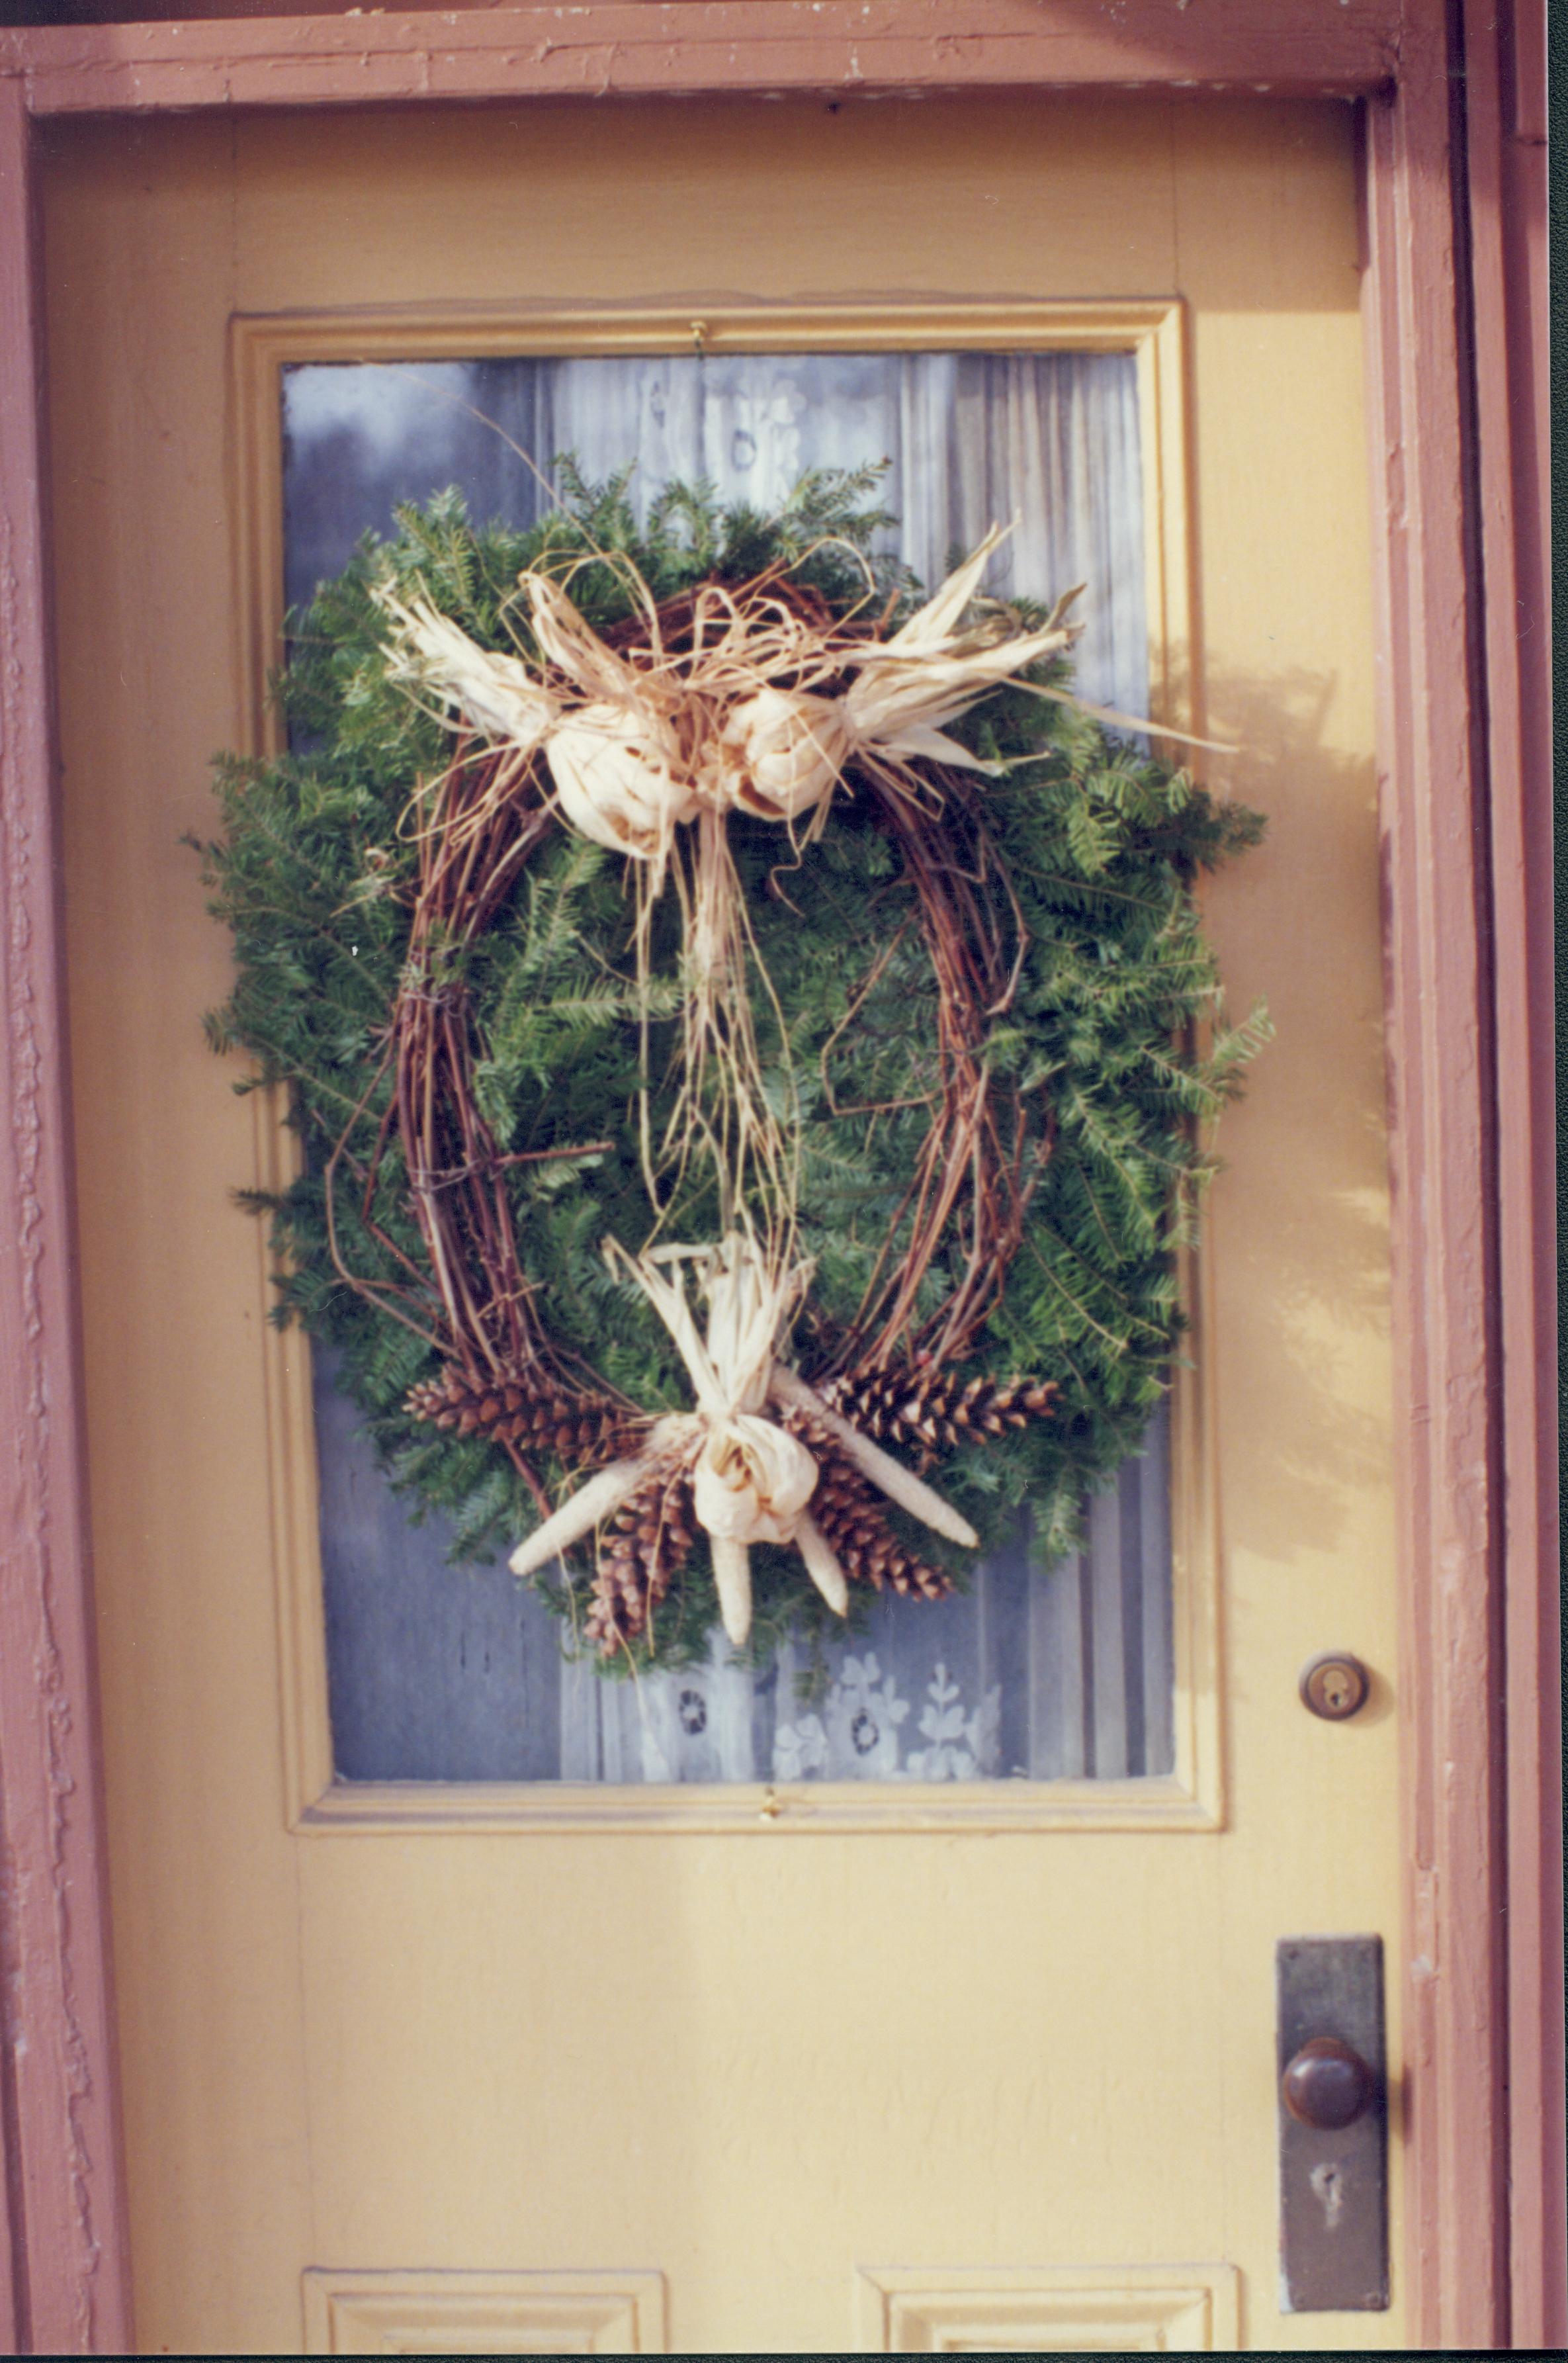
454,2065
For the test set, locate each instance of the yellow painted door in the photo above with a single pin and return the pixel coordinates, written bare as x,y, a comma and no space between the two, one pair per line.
455,2067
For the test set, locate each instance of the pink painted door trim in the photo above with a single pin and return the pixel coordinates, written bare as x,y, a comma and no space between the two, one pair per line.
1505,95
1456,318
63,2256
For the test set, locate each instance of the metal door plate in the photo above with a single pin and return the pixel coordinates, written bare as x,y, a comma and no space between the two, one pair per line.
1333,2185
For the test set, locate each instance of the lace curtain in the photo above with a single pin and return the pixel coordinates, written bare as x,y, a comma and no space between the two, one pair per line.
456,1674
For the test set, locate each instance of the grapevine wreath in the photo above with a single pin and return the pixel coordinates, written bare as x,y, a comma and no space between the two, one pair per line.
743,1020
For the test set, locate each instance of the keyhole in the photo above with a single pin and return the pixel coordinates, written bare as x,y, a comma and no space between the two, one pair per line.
1334,1685
1328,2188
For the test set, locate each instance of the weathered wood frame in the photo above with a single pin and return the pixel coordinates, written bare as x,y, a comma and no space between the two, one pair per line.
1455,205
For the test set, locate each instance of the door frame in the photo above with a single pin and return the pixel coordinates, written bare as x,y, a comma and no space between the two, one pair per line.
1450,99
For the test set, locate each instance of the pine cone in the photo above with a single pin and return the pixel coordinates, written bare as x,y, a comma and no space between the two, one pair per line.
646,1546
531,1410
850,1512
927,1412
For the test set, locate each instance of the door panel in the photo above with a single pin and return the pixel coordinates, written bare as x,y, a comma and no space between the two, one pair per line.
779,2067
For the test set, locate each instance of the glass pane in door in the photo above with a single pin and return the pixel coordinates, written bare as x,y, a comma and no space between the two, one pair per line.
457,1673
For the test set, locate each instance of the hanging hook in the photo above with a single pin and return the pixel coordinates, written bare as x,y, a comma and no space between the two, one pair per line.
698,337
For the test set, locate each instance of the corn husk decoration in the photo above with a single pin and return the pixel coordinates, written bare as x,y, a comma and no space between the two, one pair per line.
496,693
906,689
753,1479
638,743
618,777
787,750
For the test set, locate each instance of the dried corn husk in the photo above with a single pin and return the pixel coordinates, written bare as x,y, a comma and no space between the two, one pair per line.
750,1300
750,1484
899,1483
594,1503
907,688
568,640
931,627
618,777
823,1563
495,693
751,1479
791,748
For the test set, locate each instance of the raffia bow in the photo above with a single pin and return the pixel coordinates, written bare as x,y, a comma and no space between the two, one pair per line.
637,744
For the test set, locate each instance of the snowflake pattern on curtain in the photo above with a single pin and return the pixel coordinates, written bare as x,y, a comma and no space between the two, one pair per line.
859,1734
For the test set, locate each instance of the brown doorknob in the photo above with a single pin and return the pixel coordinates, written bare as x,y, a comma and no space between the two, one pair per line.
1327,2085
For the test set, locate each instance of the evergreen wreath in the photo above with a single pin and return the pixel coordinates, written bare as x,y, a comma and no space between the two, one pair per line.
626,887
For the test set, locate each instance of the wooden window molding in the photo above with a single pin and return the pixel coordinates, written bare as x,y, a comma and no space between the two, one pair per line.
1191,1798
1455,215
